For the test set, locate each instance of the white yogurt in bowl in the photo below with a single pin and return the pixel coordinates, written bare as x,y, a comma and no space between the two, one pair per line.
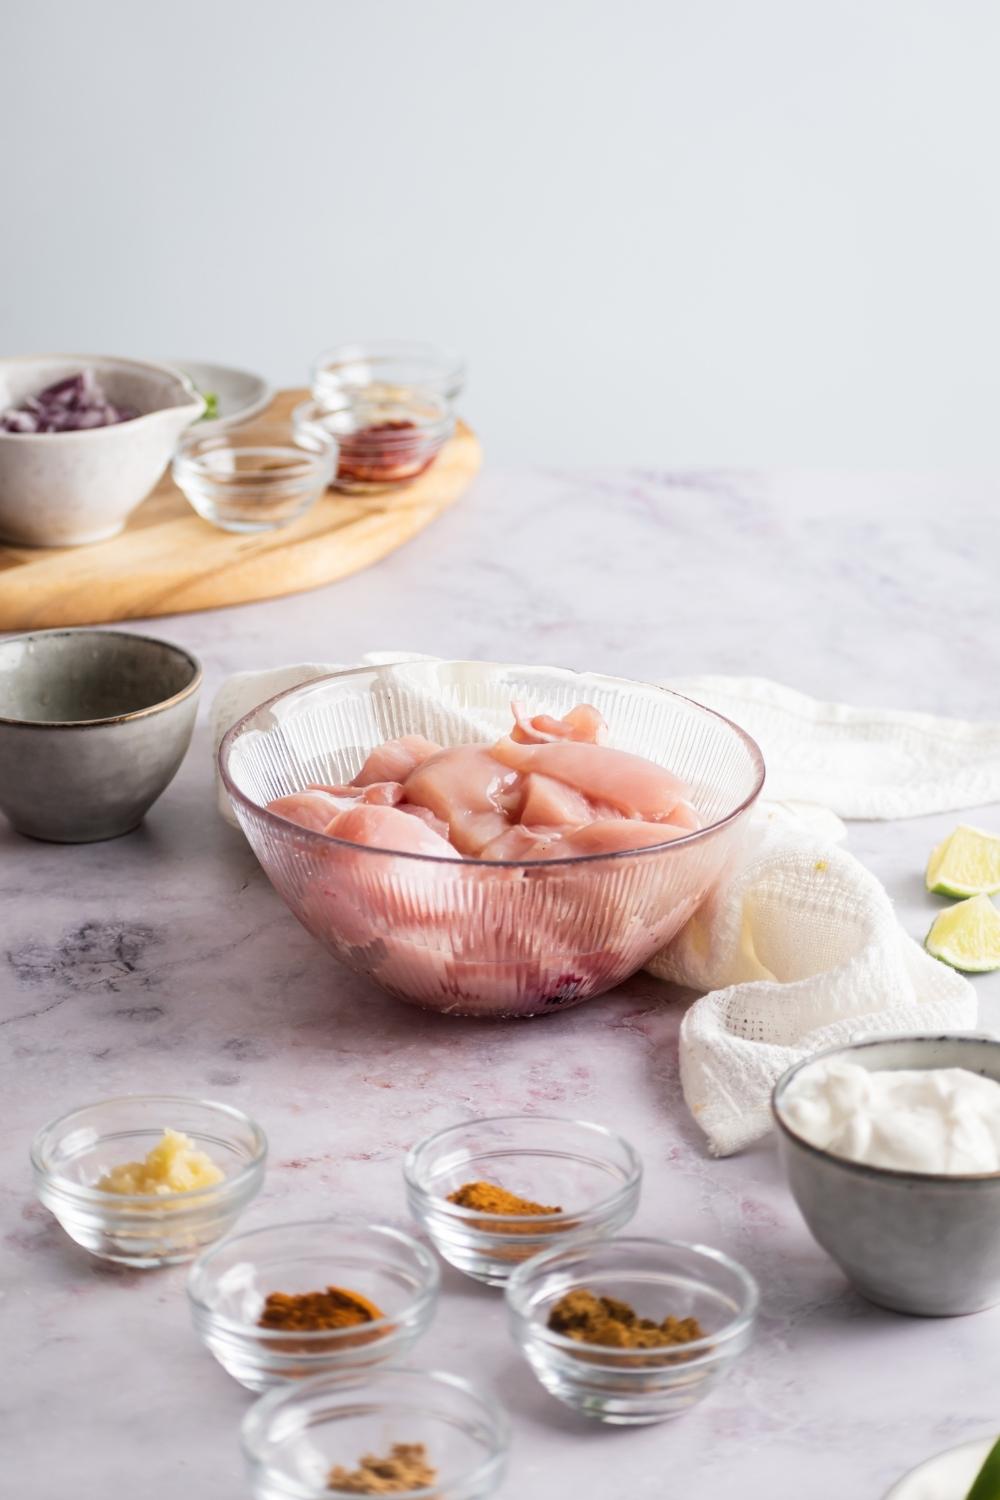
936,1120
946,1476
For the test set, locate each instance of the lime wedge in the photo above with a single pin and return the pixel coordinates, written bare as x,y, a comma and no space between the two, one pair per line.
966,864
967,936
986,1485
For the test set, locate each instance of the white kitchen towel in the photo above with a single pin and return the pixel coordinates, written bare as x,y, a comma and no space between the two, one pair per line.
798,948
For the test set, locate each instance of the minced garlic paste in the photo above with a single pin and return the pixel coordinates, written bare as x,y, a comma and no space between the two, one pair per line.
175,1165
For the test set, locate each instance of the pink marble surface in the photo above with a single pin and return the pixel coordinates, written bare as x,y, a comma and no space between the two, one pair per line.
164,961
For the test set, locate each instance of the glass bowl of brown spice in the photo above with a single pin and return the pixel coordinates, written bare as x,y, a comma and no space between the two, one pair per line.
492,1193
294,1300
405,1432
632,1331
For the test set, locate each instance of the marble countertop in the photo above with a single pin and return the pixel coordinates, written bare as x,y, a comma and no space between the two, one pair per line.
165,962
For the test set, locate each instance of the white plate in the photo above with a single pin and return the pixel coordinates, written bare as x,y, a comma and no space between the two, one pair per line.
946,1476
239,393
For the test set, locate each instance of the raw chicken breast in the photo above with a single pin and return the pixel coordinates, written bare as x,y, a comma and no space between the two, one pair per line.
634,785
551,803
312,809
385,793
426,816
470,790
388,828
582,723
394,760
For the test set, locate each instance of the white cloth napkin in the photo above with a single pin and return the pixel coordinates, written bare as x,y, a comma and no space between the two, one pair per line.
798,948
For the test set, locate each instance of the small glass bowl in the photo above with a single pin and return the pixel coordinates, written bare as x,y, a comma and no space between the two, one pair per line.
293,1438
381,441
660,1278
249,479
145,1230
389,365
227,1288
593,1174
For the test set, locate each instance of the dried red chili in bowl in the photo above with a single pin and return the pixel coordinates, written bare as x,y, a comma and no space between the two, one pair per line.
386,436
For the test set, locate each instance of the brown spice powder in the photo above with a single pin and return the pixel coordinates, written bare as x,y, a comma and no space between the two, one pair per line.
313,1312
589,1319
404,1468
487,1198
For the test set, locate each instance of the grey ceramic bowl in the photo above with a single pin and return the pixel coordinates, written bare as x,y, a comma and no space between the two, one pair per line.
914,1242
93,726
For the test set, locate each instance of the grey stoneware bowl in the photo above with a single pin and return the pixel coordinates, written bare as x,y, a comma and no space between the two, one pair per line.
93,726
914,1242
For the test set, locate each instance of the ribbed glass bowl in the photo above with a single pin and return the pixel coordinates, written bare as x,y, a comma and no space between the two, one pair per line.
476,937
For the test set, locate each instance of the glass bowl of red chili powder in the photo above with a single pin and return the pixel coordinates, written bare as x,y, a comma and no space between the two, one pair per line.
290,1301
384,437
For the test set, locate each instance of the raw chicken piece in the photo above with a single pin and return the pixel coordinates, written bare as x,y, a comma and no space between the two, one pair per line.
551,803
634,785
426,816
394,760
470,790
382,793
521,843
604,836
388,828
312,809
582,723
611,836
684,816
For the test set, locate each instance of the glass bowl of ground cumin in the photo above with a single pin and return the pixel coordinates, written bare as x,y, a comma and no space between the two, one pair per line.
401,1431
492,1193
632,1331
294,1300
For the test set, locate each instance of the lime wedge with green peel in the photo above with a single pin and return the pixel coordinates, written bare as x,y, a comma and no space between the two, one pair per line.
967,936
986,1485
966,864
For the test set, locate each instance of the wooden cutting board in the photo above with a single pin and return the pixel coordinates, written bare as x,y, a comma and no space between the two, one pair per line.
168,560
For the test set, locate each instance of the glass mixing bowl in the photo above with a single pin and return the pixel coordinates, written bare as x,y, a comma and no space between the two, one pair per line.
477,937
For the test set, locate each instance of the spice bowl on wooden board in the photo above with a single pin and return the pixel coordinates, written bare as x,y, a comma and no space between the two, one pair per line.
198,1166
256,477
382,440
67,486
492,1193
94,725
919,1242
308,1441
678,1317
381,366
290,1301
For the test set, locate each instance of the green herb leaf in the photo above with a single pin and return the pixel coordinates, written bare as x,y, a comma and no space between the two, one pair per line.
986,1485
211,406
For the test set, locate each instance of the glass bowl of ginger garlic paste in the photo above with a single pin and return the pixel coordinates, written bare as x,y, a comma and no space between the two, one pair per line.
149,1180
290,1301
492,1193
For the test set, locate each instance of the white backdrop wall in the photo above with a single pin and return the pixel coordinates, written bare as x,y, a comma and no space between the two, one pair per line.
664,231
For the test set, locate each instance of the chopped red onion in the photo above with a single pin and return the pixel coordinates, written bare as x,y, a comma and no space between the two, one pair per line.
71,405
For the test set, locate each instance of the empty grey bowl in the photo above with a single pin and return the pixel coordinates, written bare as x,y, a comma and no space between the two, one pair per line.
93,726
911,1241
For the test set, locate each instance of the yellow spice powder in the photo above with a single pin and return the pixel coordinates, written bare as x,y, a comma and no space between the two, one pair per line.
175,1165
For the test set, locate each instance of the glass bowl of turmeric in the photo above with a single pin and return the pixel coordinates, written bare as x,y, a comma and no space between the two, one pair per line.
492,1193
289,1301
149,1180
632,1331
401,1431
